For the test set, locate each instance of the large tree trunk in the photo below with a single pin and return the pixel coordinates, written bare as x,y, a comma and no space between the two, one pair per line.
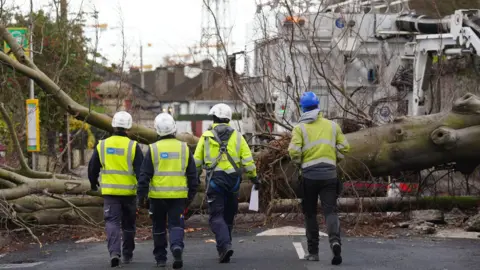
408,144
412,143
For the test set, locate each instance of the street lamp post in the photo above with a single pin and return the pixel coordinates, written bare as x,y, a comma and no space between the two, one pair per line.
142,78
32,84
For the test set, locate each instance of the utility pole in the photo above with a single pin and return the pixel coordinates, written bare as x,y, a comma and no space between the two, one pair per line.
32,84
142,78
64,21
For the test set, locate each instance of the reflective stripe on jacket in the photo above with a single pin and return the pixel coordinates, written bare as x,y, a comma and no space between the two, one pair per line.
117,176
170,158
208,150
320,141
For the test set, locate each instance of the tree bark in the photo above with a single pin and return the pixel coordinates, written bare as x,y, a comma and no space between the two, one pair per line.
408,144
416,143
386,204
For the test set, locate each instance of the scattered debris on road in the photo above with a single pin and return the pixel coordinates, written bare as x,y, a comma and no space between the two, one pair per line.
89,240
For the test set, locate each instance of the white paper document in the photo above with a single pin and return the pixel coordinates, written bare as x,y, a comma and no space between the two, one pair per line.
253,200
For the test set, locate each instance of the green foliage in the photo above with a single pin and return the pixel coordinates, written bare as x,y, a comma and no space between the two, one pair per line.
61,53
5,137
77,124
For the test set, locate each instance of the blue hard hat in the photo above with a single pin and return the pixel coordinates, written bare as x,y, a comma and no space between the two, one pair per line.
309,99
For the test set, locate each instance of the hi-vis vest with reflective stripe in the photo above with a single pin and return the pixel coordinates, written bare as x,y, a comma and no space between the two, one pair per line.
170,157
211,153
233,148
319,143
117,176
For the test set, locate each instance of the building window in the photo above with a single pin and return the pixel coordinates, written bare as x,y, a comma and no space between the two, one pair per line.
176,109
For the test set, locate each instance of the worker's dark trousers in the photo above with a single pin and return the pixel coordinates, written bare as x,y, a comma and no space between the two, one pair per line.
163,210
328,190
222,208
120,214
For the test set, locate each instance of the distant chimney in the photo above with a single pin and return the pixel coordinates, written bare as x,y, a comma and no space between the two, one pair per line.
179,72
207,74
161,81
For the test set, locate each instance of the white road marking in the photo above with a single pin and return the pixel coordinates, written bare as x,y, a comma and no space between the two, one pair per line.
299,248
19,265
287,231
3,255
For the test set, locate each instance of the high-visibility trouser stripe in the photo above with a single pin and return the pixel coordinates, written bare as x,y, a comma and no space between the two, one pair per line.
318,161
308,145
173,155
127,187
162,173
129,155
152,188
208,156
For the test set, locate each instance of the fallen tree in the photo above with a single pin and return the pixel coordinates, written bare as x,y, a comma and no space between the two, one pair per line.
408,144
412,143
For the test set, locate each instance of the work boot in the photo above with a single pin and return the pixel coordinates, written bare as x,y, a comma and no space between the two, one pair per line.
337,251
311,257
177,258
225,255
161,263
127,260
115,261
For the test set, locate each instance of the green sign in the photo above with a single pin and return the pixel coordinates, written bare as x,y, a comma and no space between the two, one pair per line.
20,34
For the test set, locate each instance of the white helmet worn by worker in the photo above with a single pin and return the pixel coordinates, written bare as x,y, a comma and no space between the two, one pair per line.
122,119
165,124
221,110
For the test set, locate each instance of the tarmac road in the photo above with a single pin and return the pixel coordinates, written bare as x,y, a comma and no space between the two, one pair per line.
265,253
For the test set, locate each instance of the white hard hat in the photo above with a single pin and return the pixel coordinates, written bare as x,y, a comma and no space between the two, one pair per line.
221,110
122,119
165,124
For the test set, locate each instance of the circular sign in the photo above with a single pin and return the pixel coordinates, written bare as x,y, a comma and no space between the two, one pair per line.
18,36
340,23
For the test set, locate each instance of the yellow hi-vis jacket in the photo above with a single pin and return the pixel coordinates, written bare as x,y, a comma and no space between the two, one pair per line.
117,176
320,141
170,160
208,150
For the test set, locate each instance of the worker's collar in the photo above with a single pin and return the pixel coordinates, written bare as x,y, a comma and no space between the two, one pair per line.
218,124
120,133
171,136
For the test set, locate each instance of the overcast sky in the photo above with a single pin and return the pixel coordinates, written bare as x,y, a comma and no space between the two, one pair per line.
169,25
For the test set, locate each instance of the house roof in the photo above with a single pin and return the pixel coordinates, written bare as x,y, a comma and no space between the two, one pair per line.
114,88
139,96
183,91
218,91
191,89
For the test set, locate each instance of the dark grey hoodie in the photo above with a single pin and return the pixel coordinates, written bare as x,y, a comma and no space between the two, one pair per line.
322,171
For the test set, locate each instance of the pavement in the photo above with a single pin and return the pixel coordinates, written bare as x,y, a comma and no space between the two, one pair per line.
265,253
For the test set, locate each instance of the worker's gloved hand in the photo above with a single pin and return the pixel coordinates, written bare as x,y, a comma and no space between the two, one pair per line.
94,186
256,182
